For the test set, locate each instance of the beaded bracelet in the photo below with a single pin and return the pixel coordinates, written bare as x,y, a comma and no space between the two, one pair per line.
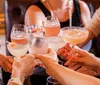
15,80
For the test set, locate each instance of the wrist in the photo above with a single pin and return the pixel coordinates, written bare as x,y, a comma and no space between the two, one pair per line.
18,74
91,35
98,66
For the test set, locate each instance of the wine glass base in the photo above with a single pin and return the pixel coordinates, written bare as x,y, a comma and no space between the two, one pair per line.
52,81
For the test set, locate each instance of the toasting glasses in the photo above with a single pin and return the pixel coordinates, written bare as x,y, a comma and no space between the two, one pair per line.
19,47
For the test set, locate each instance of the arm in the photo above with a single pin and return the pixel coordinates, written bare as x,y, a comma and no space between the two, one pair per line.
22,67
18,75
66,76
34,15
2,59
87,59
85,12
6,62
94,25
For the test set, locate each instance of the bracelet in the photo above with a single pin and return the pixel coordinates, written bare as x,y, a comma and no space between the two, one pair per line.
15,80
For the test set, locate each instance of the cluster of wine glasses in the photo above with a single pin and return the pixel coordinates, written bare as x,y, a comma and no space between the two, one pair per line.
35,38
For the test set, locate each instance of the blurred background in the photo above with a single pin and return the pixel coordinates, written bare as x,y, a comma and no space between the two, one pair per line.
13,11
95,3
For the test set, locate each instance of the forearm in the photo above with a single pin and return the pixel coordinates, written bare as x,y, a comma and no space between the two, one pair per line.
18,75
66,76
94,24
90,37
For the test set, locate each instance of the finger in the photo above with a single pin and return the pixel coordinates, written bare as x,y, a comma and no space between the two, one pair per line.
84,70
47,71
75,67
38,56
71,65
68,62
49,50
2,57
63,53
68,47
10,59
81,52
38,62
7,65
29,56
6,69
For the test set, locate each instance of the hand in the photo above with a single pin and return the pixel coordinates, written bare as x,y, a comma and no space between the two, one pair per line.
83,57
88,71
82,69
50,55
25,65
2,59
7,63
64,51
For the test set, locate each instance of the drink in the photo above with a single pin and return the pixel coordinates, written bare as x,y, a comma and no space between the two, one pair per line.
38,45
18,39
75,36
56,42
52,30
51,26
35,31
17,50
18,34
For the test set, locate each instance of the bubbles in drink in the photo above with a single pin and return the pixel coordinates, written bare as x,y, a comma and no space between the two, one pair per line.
38,45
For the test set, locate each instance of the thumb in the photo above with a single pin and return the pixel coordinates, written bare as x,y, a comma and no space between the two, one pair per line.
38,56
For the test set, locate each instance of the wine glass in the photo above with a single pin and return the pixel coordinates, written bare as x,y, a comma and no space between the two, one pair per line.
19,47
51,26
74,35
55,42
39,45
52,81
34,31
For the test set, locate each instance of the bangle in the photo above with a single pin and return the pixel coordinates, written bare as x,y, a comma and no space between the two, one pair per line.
15,80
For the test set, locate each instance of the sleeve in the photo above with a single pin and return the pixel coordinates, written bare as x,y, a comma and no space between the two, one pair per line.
94,24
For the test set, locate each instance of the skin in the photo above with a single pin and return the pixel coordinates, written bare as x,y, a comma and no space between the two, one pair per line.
85,58
57,9
64,75
6,63
23,67
93,27
65,54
